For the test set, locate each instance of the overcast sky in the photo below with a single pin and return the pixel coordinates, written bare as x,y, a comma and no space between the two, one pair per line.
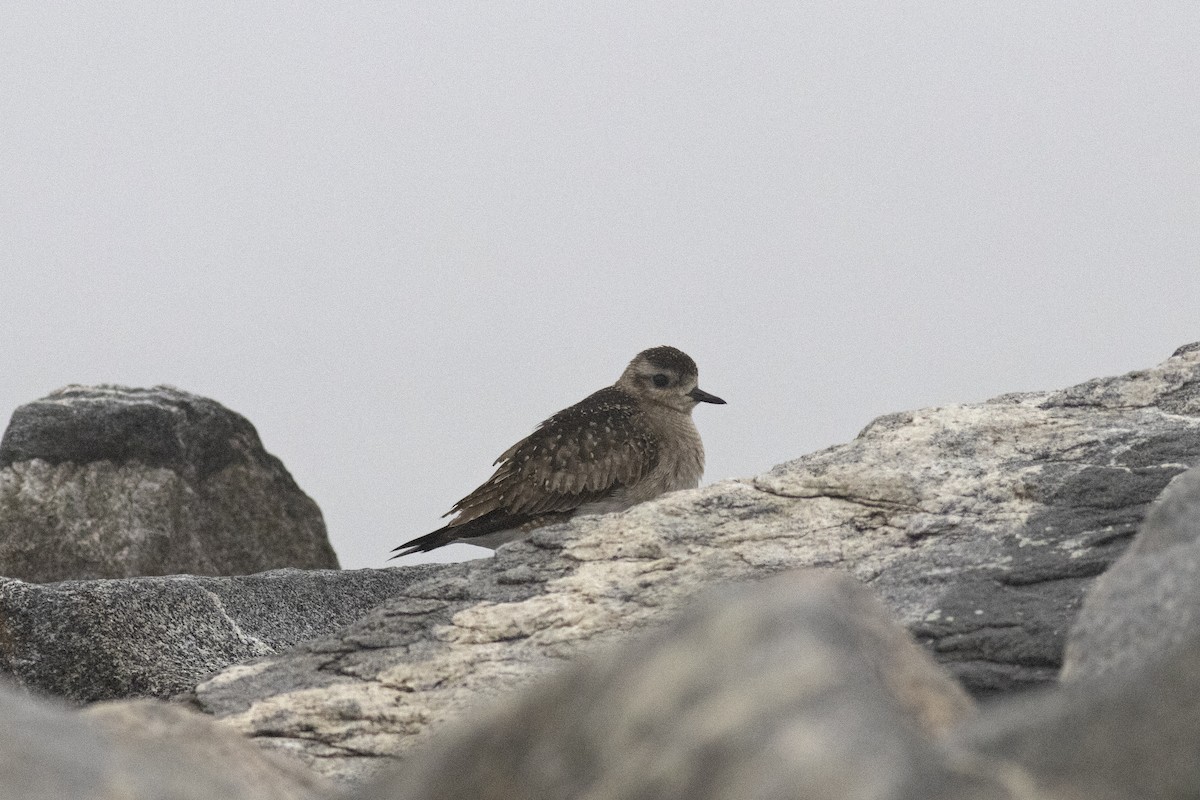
397,235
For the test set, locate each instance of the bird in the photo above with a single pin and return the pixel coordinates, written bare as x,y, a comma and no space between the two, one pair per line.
620,446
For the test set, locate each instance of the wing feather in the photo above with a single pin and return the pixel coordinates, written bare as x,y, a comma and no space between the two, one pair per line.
578,456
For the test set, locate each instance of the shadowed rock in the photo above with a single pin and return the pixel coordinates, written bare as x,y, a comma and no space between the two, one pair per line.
1148,604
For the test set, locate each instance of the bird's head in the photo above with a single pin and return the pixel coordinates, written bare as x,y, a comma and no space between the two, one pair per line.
666,376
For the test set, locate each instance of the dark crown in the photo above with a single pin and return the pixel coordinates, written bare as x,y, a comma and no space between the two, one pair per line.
666,357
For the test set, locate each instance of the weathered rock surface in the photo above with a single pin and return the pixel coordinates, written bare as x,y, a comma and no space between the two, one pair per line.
111,482
801,686
1148,604
1127,734
155,637
138,750
979,525
1125,722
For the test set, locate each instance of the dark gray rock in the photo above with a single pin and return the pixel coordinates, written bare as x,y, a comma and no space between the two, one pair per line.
1173,521
1148,604
110,482
1127,734
135,751
801,686
980,526
156,637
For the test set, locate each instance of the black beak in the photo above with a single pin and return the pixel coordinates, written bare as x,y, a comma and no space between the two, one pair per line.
701,396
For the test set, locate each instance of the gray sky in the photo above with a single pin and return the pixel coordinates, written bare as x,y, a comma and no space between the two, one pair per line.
398,235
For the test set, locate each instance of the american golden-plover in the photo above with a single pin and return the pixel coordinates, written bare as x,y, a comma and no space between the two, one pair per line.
620,446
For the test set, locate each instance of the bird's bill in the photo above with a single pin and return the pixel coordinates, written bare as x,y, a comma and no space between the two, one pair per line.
701,396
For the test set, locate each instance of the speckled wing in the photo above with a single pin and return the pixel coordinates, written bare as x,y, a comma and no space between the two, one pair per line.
578,456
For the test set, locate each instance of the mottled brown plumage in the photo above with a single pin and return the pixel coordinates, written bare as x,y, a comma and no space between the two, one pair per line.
622,445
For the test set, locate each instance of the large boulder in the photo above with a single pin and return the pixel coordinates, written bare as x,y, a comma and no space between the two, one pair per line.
137,750
111,482
979,526
159,636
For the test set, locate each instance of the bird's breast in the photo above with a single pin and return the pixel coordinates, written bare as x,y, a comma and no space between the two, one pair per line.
680,462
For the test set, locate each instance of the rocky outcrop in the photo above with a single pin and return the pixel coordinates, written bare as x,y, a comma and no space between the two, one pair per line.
138,750
801,686
980,526
156,637
781,688
111,482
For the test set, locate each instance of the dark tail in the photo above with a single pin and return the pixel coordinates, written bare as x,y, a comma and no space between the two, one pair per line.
480,526
423,544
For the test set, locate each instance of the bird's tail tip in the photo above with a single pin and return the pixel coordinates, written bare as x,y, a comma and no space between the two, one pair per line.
422,544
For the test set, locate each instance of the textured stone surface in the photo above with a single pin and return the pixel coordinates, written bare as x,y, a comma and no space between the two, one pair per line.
135,751
1148,604
980,526
801,686
104,639
109,482
1129,734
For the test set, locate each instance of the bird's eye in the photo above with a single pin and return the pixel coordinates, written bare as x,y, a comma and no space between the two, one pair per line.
661,380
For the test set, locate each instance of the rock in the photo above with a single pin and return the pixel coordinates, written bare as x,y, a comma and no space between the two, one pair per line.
801,686
155,637
135,751
1126,734
980,526
111,482
1148,604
